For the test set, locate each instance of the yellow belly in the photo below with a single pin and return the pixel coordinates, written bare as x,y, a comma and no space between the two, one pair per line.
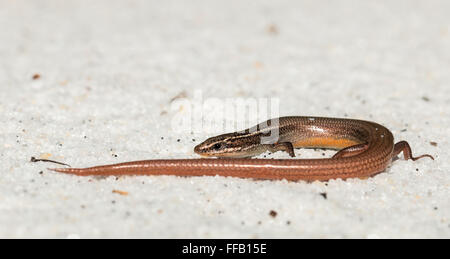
326,142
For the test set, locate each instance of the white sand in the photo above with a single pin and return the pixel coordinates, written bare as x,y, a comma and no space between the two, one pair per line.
109,72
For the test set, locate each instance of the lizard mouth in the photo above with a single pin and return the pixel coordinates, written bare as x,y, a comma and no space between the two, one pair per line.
202,152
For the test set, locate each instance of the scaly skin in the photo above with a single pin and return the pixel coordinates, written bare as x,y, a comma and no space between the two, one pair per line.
367,148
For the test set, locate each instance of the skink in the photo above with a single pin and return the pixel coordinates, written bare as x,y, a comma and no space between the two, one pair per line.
365,149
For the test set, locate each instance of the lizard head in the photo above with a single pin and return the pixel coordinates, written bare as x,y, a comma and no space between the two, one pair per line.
231,145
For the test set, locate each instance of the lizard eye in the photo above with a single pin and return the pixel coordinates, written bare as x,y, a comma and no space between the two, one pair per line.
217,146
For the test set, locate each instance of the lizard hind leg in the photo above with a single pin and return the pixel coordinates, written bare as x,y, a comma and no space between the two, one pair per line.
351,150
403,146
